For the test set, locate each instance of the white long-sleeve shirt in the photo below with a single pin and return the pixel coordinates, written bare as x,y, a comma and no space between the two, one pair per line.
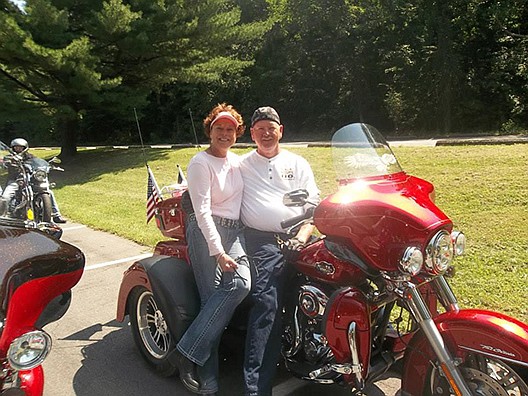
266,180
215,187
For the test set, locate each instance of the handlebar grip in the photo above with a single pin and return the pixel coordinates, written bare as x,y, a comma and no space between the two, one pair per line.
297,219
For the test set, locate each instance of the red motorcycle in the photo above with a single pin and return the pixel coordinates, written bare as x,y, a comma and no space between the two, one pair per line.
370,294
37,272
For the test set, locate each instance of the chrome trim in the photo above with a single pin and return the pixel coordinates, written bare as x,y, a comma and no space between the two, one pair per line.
297,336
354,355
445,294
325,268
431,254
422,315
317,296
406,260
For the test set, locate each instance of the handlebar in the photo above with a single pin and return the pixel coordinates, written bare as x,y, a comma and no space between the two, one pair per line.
298,219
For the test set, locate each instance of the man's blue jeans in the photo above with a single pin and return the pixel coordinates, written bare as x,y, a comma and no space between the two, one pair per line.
263,340
220,293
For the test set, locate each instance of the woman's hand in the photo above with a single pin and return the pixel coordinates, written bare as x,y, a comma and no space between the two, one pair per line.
226,263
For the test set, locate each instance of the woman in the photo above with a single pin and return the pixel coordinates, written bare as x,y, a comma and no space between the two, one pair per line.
216,248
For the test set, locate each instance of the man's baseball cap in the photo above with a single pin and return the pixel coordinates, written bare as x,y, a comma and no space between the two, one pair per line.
265,113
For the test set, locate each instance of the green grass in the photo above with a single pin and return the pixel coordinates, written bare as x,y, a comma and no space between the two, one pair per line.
482,188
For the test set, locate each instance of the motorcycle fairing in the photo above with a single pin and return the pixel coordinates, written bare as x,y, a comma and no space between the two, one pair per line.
469,330
29,300
381,216
28,254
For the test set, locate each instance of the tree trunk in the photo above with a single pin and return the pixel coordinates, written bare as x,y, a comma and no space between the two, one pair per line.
70,131
446,66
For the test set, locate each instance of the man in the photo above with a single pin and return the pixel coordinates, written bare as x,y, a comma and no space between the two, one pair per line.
20,147
269,172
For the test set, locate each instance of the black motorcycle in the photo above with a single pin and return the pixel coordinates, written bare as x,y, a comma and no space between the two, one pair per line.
32,200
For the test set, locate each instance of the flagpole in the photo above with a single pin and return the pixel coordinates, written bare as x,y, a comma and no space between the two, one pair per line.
141,138
193,128
153,190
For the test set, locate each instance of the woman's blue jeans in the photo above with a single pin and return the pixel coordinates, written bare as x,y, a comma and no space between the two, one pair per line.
220,294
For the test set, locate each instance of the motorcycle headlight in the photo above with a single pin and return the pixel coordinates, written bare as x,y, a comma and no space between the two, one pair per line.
40,175
459,243
439,253
411,261
29,350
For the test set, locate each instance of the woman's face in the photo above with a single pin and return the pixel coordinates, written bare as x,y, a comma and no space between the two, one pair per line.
223,134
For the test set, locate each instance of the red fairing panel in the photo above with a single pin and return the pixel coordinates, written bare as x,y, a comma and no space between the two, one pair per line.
29,300
349,306
471,330
380,217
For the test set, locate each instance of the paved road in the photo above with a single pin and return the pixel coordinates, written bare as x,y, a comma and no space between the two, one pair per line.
93,355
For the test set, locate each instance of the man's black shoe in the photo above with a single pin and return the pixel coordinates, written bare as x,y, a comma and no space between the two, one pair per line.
188,372
59,219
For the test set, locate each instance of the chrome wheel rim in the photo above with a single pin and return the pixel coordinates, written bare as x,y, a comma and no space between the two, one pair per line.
485,377
152,327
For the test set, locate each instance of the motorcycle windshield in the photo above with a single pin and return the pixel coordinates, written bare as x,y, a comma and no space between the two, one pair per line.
37,163
360,151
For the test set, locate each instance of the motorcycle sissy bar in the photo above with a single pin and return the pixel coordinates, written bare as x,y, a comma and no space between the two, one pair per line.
409,293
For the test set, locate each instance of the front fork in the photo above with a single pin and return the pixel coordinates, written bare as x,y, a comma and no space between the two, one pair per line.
410,294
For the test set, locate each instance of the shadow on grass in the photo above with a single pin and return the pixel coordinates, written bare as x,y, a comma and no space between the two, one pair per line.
90,165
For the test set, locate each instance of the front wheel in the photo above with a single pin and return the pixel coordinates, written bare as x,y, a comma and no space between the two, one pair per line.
43,208
150,331
484,376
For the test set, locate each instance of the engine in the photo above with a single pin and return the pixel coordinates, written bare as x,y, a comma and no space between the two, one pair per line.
303,339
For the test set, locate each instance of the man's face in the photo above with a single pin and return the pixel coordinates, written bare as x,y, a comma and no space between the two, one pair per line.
267,134
18,149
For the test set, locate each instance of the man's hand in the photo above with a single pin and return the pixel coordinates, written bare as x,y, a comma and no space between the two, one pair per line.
291,248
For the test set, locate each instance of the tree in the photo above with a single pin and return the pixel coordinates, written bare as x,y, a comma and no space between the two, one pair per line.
74,57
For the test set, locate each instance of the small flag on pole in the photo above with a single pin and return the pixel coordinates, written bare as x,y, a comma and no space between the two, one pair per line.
181,177
153,195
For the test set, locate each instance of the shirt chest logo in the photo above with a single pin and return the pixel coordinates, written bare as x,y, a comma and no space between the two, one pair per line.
287,174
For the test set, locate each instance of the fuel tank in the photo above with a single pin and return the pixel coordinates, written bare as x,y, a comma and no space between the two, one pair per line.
318,263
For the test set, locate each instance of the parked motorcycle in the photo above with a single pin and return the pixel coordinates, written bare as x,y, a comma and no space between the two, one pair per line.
370,294
37,273
32,200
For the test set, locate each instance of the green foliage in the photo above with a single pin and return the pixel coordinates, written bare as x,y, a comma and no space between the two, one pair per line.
409,67
101,59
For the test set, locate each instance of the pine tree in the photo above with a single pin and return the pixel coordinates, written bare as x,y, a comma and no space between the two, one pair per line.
70,57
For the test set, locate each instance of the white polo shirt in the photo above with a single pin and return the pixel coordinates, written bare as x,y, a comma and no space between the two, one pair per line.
266,180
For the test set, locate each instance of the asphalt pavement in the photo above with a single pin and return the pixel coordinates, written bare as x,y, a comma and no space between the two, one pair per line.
94,355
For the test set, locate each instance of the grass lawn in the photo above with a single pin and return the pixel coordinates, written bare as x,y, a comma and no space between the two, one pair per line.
482,188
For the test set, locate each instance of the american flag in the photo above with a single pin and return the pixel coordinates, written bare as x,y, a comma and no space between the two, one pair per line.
153,195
